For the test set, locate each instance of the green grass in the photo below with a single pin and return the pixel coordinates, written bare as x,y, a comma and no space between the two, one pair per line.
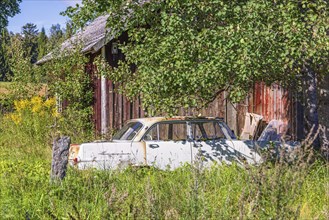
223,192
4,88
269,191
4,84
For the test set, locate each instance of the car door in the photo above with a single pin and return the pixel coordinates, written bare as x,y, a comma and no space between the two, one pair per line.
210,143
216,143
247,151
167,146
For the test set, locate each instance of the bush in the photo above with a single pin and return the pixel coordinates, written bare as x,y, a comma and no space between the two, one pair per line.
31,121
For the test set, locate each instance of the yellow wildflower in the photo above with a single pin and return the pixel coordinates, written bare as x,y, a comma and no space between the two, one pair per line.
36,100
36,104
55,113
21,105
50,103
16,105
16,118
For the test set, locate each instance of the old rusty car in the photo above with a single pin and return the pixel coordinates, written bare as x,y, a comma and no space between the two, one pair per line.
166,143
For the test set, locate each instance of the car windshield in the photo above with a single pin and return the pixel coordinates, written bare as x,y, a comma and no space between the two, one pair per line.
128,131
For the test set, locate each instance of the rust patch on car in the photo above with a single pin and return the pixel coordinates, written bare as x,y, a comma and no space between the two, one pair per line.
173,118
144,151
73,151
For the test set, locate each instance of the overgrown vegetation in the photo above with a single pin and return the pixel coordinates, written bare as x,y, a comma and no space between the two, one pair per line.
64,78
276,190
71,83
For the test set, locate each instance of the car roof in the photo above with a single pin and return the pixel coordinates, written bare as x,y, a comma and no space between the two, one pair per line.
152,120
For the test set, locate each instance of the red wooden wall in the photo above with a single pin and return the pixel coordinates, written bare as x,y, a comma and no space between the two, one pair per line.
272,102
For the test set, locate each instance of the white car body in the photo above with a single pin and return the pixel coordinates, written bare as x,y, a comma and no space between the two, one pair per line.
166,143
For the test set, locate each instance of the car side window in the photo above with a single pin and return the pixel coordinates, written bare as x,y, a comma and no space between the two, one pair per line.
213,130
207,130
178,132
167,131
196,131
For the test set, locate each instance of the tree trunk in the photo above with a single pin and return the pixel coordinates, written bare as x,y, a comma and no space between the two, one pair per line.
311,106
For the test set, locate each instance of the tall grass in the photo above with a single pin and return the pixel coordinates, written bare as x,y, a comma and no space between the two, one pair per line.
223,192
273,190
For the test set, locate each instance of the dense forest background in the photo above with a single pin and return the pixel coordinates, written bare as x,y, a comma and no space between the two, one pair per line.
33,45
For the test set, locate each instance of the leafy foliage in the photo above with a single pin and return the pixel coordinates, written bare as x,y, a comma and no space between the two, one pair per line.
8,8
187,52
87,11
68,30
64,77
68,79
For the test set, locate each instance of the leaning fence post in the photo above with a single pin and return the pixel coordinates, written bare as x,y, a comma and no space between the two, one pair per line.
60,155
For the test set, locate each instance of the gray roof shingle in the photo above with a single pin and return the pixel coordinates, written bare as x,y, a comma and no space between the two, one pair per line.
93,37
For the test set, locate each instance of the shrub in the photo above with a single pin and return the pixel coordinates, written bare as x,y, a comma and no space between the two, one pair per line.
32,119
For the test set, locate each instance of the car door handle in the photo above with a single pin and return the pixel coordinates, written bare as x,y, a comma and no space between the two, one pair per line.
153,146
198,145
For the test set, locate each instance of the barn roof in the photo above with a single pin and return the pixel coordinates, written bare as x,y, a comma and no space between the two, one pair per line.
93,37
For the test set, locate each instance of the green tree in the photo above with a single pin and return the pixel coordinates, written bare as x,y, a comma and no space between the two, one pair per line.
56,36
88,10
188,52
4,61
42,43
68,30
30,42
25,76
8,8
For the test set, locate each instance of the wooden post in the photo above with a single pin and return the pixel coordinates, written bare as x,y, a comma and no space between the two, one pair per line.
231,114
104,121
60,155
